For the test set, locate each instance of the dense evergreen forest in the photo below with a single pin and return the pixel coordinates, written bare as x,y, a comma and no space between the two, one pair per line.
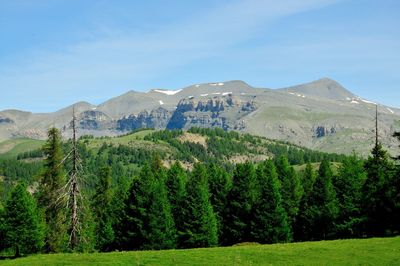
132,201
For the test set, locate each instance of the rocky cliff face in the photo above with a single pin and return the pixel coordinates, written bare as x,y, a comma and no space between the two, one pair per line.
6,120
222,112
95,120
320,131
157,118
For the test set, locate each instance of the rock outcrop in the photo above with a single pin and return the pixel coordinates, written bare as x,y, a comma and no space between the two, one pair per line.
223,111
157,118
6,120
320,131
95,120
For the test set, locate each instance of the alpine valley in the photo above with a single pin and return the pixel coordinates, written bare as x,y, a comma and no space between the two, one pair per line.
320,115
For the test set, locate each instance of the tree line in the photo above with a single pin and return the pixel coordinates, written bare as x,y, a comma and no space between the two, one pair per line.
210,205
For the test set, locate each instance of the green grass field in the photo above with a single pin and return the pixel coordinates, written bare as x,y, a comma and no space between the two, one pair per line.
129,139
13,147
301,167
374,251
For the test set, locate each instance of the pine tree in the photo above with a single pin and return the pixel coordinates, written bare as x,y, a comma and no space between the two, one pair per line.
323,203
240,200
101,206
291,189
348,184
157,168
131,229
303,226
376,198
147,221
49,193
269,224
200,224
162,233
219,182
24,230
120,194
394,193
176,186
86,228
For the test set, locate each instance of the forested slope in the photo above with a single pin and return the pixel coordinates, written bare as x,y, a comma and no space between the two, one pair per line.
201,188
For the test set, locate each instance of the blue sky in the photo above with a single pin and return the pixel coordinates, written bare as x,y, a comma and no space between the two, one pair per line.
54,53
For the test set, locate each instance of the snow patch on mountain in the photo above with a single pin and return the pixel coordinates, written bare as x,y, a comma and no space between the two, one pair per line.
363,100
167,92
217,84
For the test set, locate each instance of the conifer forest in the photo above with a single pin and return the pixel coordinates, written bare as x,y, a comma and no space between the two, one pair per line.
71,197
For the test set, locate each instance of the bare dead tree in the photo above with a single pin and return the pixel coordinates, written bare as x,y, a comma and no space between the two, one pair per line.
74,188
70,194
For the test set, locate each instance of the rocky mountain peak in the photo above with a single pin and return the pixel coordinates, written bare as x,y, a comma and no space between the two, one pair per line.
322,88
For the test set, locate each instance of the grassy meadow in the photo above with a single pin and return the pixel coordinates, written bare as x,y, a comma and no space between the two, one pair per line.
13,147
374,251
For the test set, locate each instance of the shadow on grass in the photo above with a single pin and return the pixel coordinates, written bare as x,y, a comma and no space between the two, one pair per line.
3,257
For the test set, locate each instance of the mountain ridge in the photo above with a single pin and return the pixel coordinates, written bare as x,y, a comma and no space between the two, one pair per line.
321,114
325,88
131,93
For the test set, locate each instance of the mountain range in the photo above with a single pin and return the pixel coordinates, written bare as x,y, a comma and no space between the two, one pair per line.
321,115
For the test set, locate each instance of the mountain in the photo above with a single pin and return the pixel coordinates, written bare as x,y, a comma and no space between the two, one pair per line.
320,115
323,88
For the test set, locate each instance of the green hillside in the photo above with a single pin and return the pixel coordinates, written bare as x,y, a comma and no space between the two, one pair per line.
20,159
13,147
128,139
202,144
177,144
375,251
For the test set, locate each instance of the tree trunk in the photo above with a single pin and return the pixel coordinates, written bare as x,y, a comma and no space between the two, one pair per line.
17,252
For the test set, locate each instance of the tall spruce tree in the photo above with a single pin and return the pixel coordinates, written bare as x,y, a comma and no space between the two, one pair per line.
162,232
376,192
102,210
291,189
219,182
131,231
348,184
200,224
23,227
176,186
269,223
87,226
50,189
240,200
120,194
395,193
147,221
303,226
323,204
